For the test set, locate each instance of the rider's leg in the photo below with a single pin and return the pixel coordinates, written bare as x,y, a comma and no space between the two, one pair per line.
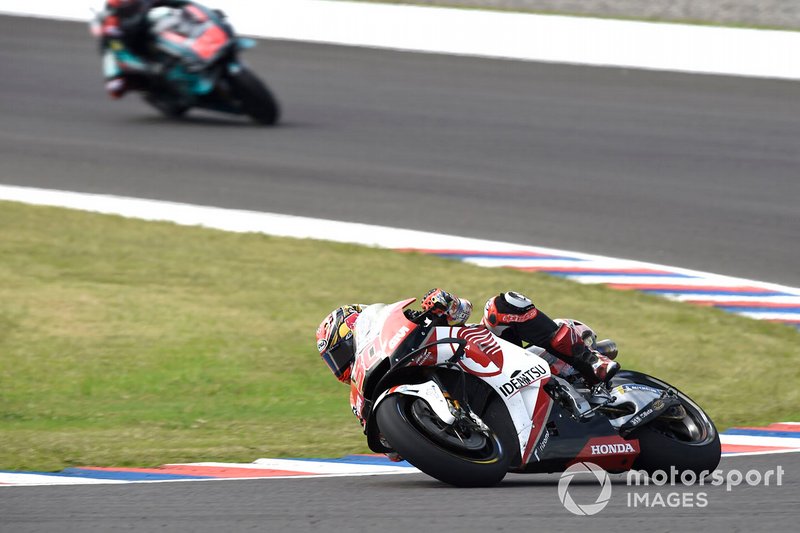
513,317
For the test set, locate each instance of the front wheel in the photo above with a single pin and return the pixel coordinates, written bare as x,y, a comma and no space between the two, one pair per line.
457,454
254,97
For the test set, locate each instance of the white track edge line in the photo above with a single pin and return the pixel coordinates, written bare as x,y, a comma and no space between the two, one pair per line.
244,221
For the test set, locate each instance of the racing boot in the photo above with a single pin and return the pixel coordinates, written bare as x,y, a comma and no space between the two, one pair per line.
567,345
603,368
116,87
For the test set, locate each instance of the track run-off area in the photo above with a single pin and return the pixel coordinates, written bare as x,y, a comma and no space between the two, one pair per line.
661,168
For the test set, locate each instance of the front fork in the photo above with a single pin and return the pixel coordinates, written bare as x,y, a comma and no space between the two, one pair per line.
449,410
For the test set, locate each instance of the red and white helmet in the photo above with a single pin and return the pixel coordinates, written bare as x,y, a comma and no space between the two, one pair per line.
335,341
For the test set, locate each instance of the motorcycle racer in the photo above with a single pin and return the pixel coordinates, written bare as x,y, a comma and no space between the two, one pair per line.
510,315
123,33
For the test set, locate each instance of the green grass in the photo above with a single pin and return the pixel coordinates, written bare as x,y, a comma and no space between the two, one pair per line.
134,343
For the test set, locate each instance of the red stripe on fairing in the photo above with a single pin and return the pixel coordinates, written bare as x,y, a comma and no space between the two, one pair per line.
679,287
540,414
198,13
210,471
612,460
738,448
173,37
210,42
784,320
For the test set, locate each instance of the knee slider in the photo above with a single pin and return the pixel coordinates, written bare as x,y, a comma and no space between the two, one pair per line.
507,308
515,303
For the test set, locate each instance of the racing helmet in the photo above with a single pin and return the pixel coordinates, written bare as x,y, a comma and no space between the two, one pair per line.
130,13
335,341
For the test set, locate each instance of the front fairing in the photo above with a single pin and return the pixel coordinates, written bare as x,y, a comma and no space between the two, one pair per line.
379,331
384,335
194,37
516,375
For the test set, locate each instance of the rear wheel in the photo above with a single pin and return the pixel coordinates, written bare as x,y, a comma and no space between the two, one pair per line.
167,108
685,439
460,454
256,99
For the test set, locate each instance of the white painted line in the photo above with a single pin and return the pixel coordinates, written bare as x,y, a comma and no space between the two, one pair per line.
656,280
310,467
767,315
319,467
589,41
28,481
349,232
591,265
754,440
769,452
40,479
724,298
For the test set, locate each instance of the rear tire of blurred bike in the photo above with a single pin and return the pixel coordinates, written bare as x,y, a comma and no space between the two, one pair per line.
168,109
256,99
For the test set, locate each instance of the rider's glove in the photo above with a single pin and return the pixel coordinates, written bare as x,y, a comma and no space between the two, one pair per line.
443,304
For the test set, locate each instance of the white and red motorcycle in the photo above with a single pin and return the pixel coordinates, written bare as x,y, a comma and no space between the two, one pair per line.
466,407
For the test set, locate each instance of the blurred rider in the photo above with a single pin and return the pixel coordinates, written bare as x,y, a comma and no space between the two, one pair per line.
510,315
124,39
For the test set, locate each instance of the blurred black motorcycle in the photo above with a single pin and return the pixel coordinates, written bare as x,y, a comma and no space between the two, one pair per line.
193,62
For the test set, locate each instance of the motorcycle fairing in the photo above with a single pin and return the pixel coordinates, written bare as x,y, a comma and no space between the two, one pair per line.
380,329
191,35
549,438
518,377
567,441
118,61
204,46
428,391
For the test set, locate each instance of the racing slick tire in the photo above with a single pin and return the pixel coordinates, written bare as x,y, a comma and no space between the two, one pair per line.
456,456
690,443
256,100
169,109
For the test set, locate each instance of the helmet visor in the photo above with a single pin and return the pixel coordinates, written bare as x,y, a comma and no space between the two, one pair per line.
340,357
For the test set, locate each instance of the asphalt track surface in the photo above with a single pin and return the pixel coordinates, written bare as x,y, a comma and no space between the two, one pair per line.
688,170
696,171
403,503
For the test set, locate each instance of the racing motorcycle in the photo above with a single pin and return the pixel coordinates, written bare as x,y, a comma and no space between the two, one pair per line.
194,63
466,407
